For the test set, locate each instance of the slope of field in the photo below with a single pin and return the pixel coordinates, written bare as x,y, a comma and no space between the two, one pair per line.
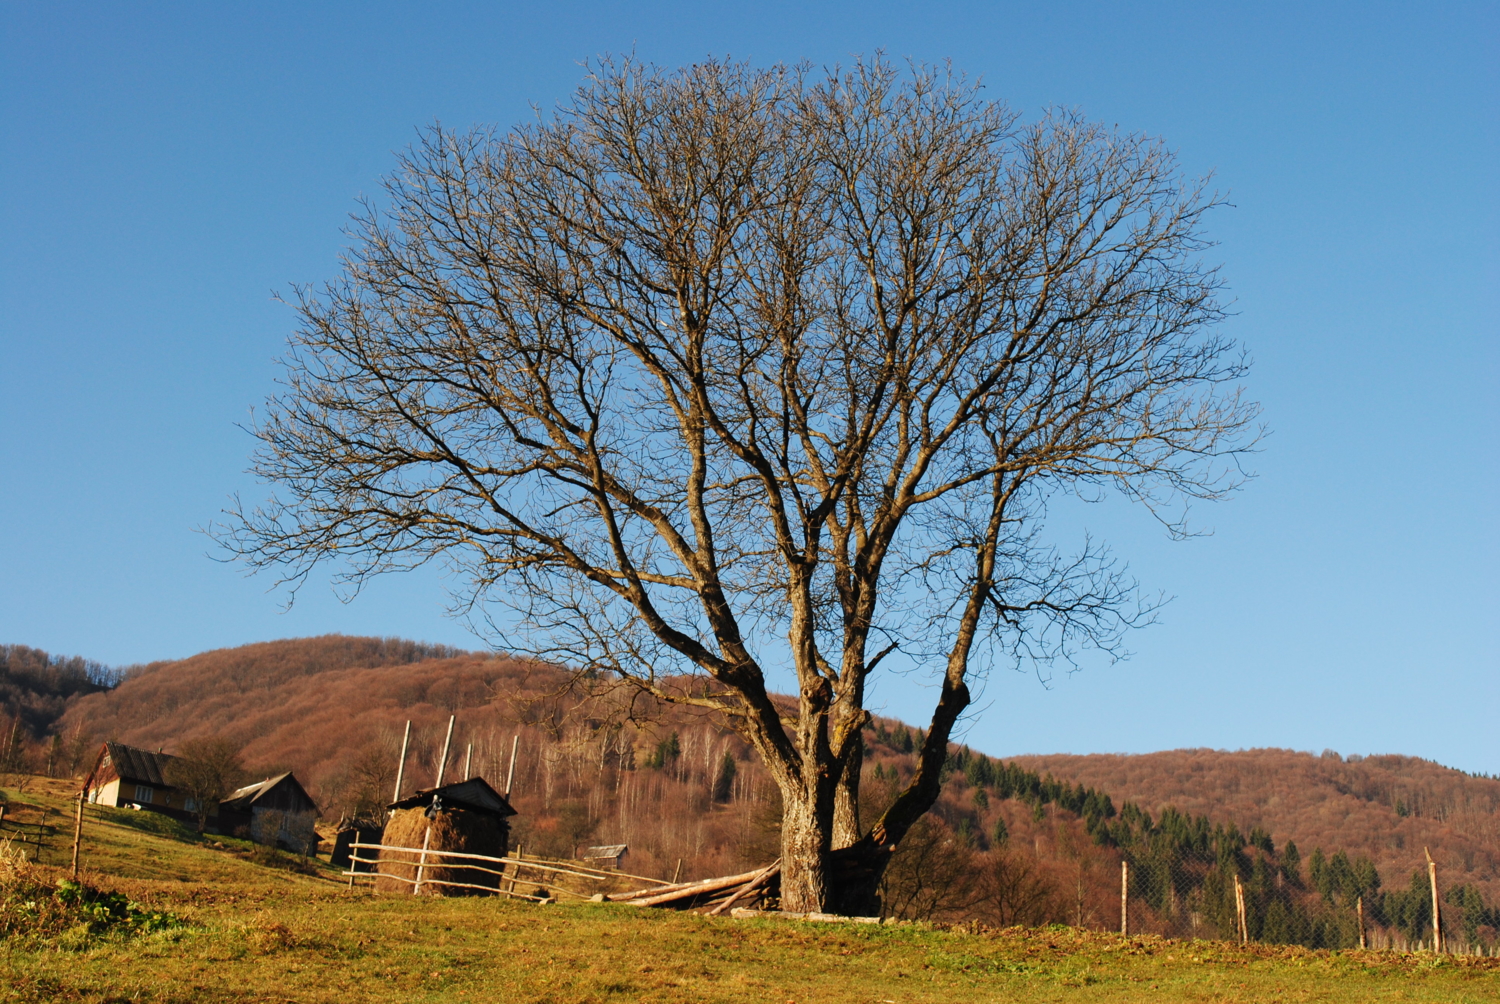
1387,808
686,794
237,930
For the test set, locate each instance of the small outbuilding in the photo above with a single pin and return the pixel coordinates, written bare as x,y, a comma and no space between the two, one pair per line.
606,856
277,812
351,833
467,817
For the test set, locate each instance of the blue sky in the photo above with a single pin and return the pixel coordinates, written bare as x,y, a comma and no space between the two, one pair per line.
165,169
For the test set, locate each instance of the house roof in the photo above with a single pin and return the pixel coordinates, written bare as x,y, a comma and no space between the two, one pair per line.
473,794
137,764
250,794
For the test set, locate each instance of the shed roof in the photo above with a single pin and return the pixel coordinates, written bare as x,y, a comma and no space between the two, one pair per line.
250,794
137,764
474,794
606,851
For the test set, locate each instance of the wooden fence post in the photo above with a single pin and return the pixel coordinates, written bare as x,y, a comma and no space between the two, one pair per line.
1124,897
416,888
1437,927
1239,909
77,833
1359,909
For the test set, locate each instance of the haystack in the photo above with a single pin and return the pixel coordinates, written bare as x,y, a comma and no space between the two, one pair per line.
468,817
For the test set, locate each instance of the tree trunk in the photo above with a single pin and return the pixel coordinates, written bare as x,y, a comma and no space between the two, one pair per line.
806,827
846,832
856,872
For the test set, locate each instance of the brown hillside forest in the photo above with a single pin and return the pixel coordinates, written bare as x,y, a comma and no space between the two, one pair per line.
1034,840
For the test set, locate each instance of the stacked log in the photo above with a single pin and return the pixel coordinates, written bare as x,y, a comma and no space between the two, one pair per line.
713,895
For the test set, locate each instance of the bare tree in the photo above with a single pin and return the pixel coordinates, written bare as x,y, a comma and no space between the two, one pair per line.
930,875
724,369
205,770
1011,890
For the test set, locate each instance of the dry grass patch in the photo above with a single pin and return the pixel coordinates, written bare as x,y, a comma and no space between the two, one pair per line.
256,933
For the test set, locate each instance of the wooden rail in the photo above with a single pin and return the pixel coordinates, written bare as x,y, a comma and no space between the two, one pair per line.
510,868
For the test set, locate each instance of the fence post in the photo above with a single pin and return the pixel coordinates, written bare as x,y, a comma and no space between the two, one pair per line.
1359,909
1239,909
1437,927
416,888
1124,896
77,833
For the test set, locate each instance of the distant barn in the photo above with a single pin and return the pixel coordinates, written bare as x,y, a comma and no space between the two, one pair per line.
468,817
276,811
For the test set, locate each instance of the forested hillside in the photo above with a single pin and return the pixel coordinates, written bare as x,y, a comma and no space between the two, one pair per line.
35,688
1386,808
1032,840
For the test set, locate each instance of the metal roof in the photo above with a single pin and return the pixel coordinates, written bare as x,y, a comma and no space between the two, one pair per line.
472,794
136,764
247,796
606,851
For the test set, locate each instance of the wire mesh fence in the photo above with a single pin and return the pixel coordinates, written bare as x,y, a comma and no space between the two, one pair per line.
1219,888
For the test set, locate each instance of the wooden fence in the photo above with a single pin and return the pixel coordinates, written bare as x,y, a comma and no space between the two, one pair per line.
510,870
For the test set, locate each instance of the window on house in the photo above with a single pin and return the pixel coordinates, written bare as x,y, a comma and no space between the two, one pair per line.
190,804
144,793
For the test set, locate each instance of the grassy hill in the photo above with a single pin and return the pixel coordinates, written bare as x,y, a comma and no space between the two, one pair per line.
214,922
687,795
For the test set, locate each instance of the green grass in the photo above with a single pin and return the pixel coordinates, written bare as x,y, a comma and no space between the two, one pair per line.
254,933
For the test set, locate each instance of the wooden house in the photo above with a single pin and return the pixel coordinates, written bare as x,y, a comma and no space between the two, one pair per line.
276,812
133,778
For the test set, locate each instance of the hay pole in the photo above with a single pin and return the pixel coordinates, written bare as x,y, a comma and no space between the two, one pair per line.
468,761
401,767
510,775
443,762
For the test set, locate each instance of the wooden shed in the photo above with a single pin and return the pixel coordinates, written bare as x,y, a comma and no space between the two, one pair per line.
468,817
277,811
349,834
606,855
